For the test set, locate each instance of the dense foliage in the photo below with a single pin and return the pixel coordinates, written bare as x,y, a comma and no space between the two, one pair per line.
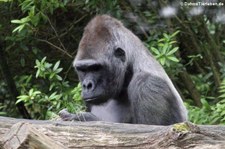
38,41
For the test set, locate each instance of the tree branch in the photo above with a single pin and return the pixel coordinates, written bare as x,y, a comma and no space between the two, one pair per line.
51,44
107,135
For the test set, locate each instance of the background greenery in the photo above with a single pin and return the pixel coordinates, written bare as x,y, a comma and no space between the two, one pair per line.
38,41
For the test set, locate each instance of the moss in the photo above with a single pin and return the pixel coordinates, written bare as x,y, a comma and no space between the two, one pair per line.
181,127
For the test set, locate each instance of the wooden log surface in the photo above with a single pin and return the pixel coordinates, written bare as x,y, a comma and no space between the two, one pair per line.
20,133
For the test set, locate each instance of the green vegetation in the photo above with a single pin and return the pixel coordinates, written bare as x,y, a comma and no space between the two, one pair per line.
38,41
51,95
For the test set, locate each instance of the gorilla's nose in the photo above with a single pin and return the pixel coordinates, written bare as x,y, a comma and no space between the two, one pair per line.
88,85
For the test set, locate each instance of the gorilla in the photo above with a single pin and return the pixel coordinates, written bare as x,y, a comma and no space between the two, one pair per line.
121,80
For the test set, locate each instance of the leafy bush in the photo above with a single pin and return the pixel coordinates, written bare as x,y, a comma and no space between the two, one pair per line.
37,11
209,113
164,49
50,93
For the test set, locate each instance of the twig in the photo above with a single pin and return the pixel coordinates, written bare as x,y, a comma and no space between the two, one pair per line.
67,72
60,49
70,28
56,34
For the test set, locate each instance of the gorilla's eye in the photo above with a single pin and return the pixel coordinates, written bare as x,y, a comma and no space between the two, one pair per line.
120,53
89,67
95,67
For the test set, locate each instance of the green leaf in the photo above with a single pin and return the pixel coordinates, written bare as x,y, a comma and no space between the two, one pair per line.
175,33
51,86
19,100
47,65
16,21
222,113
222,86
162,60
32,11
59,70
172,42
222,96
165,35
160,44
59,78
222,89
56,65
158,56
155,50
51,75
36,93
25,20
52,96
42,68
172,58
160,40
35,20
215,120
26,5
22,98
165,47
223,119
169,47
172,51
19,28
205,103
28,79
37,62
31,92
43,60
37,73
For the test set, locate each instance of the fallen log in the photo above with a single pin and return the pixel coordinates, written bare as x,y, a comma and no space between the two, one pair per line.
21,133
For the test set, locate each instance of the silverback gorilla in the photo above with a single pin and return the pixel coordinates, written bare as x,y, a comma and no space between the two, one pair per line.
121,81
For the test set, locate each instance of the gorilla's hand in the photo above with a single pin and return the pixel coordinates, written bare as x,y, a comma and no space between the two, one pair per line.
66,116
85,116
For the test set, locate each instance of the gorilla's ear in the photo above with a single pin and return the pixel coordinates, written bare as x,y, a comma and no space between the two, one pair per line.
120,53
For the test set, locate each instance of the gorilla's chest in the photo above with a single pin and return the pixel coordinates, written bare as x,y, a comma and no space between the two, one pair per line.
112,111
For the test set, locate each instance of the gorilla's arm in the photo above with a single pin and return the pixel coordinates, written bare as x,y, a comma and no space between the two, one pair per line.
153,102
84,116
111,111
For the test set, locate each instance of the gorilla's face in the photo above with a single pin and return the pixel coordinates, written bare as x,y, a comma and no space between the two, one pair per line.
101,75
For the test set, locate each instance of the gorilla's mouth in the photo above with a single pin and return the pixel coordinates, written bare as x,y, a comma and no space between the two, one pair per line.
95,100
90,99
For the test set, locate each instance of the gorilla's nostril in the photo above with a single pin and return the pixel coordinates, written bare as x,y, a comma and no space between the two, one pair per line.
88,85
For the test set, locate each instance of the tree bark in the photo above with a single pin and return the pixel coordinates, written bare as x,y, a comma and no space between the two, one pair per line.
20,133
196,96
11,84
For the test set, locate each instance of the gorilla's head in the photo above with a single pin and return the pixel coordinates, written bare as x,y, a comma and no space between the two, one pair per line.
101,61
